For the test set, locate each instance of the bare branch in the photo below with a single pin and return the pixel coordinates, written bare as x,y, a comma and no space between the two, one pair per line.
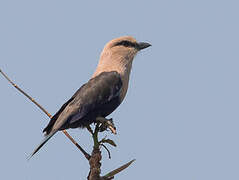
116,171
47,113
25,94
106,150
87,156
89,129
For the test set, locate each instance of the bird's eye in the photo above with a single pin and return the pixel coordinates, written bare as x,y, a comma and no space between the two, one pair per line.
126,44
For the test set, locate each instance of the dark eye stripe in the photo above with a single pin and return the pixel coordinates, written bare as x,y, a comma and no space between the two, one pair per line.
126,44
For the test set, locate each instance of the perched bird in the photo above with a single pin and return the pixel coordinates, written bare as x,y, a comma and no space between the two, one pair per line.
103,93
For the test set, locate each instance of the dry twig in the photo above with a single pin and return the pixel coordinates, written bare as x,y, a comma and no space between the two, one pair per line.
47,113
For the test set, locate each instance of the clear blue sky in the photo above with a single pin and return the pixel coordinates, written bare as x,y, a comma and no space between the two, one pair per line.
180,118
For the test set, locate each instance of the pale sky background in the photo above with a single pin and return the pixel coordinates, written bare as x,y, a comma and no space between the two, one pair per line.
180,117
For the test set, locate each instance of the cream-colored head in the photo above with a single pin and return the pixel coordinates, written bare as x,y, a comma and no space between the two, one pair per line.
118,55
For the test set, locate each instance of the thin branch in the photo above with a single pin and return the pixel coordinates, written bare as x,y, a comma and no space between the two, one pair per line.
90,130
116,171
106,150
25,94
87,156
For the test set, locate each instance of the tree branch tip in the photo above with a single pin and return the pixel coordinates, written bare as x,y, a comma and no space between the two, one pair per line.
118,170
108,151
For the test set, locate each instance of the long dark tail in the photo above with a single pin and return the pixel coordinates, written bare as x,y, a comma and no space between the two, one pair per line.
47,137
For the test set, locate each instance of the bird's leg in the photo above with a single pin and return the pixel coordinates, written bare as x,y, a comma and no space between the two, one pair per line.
106,123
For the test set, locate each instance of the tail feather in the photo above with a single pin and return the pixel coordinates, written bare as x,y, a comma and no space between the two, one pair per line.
47,137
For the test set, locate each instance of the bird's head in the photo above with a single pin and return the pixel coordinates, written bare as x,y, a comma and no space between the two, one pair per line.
125,47
119,53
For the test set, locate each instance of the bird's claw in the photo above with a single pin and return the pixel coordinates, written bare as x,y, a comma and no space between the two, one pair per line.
106,123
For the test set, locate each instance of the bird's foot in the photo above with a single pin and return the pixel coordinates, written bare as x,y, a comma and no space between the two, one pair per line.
106,123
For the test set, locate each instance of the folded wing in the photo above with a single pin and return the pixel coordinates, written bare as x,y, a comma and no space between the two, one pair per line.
98,97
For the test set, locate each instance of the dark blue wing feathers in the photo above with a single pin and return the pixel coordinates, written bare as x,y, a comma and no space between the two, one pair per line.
99,96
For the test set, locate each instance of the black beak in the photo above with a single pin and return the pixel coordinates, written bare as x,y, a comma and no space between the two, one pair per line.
143,45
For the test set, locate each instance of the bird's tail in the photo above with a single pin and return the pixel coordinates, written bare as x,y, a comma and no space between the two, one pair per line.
47,137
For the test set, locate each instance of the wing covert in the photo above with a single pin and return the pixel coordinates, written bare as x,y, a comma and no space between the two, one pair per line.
96,94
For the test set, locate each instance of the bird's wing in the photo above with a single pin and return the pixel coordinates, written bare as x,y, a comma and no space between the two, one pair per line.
47,129
88,99
98,92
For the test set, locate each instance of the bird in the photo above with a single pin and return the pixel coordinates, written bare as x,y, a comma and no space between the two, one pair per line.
103,93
